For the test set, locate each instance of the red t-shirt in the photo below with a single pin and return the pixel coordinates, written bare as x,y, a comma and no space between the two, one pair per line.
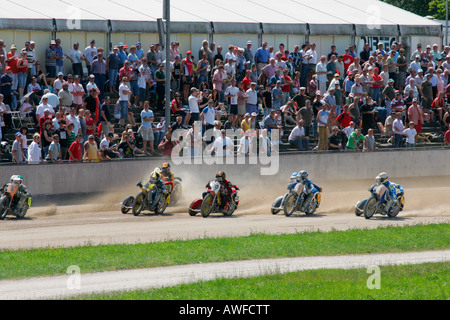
13,62
344,119
348,60
376,77
89,122
75,148
286,87
246,81
24,63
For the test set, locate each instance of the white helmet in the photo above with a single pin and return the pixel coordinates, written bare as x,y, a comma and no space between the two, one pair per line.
382,177
303,175
17,179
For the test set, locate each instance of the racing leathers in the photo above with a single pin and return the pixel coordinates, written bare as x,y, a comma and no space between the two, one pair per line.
225,192
20,196
390,195
308,185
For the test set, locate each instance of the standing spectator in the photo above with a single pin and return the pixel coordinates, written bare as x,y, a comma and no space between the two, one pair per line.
252,98
112,65
232,93
187,72
262,57
367,111
415,114
22,66
17,151
389,95
54,151
402,65
160,79
76,57
426,92
364,55
411,136
147,118
89,53
369,142
323,126
98,69
60,57
347,59
78,93
6,82
75,149
11,61
124,99
91,153
203,68
398,128
34,150
287,83
249,55
51,55
61,131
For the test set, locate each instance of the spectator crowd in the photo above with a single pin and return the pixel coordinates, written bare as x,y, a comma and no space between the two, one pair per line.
335,101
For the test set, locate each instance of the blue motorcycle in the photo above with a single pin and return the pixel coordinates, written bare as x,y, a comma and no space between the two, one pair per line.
376,202
296,200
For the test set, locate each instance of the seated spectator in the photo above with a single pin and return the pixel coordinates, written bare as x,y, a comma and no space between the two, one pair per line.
167,145
297,138
91,153
369,142
177,109
355,141
54,151
337,140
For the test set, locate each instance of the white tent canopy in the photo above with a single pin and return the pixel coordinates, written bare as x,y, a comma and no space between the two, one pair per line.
318,17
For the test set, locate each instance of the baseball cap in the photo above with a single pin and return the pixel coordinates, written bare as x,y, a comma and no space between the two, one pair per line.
253,114
189,52
120,44
391,80
110,134
52,42
92,41
13,47
138,43
249,42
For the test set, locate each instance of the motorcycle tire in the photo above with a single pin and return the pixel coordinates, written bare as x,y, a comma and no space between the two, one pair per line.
127,203
394,210
23,211
311,208
192,213
359,208
370,207
206,205
289,204
161,206
138,204
4,204
276,204
231,209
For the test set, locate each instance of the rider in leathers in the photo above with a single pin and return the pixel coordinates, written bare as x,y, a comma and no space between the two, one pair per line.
308,185
22,193
225,189
391,195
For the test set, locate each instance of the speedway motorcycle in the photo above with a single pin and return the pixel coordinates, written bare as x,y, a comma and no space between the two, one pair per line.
212,202
174,187
149,198
296,200
8,205
377,201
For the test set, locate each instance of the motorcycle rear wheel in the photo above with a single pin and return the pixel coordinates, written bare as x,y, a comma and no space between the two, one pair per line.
206,205
289,204
394,211
370,208
161,206
23,211
276,204
4,204
311,207
138,204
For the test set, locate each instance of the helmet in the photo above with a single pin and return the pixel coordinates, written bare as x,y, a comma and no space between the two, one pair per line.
382,177
165,167
295,176
17,179
303,175
155,175
221,176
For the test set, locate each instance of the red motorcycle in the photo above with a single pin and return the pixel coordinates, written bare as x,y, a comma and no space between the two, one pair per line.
212,202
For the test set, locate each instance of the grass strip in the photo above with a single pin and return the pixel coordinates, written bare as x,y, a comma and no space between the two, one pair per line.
428,281
55,261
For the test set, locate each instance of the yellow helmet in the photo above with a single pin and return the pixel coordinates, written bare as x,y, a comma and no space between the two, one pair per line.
165,167
155,175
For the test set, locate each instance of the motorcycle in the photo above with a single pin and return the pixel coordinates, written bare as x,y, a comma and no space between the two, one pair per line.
150,198
376,202
211,201
294,200
174,187
8,205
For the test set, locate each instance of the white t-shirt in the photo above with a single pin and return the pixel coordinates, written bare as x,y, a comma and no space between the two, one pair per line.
104,144
90,53
34,153
40,109
75,121
233,91
209,115
75,55
245,145
219,144
296,132
122,96
193,104
410,135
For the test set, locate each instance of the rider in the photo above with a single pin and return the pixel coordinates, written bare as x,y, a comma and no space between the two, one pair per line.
390,197
155,178
225,189
166,174
22,193
308,185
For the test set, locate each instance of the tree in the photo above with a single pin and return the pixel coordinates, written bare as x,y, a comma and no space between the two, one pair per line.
436,8
419,7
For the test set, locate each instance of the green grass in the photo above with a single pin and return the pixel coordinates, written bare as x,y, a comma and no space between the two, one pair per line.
47,262
428,281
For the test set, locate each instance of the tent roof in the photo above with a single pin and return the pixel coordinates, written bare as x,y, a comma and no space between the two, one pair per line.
318,17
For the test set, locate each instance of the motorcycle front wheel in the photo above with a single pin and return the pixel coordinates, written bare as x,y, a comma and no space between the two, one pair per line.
138,203
4,204
289,204
206,205
370,208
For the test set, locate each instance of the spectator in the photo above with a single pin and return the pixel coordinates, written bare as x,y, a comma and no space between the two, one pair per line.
17,151
306,114
438,105
167,145
91,153
34,150
223,145
54,151
99,70
367,111
323,126
76,57
298,138
398,128
252,98
193,102
124,100
75,154
389,95
369,142
89,53
51,55
355,141
147,118
411,136
335,140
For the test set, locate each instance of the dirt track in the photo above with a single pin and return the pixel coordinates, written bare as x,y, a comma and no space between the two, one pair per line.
102,223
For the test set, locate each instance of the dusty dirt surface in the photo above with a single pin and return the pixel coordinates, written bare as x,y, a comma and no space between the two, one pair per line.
99,220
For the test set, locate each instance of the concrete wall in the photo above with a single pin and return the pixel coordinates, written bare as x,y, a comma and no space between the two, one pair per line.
85,178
